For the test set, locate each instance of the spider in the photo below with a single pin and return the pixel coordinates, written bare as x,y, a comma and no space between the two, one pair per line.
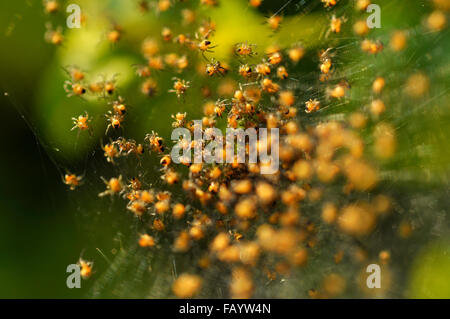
115,120
179,87
244,49
81,122
73,89
215,67
72,180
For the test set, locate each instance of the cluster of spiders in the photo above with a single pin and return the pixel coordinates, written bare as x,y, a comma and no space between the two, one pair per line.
260,227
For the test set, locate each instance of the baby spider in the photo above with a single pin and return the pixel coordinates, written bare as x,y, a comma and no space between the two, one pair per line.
114,34
215,67
146,241
245,70
74,89
268,86
75,73
170,176
211,3
255,3
180,119
85,268
53,36
282,73
166,34
312,105
296,53
325,61
336,24
205,46
119,106
244,49
137,207
156,63
156,142
113,186
142,71
329,3
138,149
339,90
372,47
262,69
115,121
127,147
82,122
162,6
110,152
207,27
165,160
96,87
189,16
275,58
51,6
143,6
149,87
109,86
179,87
274,22
182,63
134,184
220,107
72,180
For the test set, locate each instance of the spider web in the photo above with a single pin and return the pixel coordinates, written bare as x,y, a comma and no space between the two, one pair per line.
417,179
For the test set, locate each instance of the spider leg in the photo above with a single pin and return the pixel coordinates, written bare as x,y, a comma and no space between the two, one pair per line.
107,129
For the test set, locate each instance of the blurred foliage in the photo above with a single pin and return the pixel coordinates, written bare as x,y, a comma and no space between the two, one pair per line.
430,272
